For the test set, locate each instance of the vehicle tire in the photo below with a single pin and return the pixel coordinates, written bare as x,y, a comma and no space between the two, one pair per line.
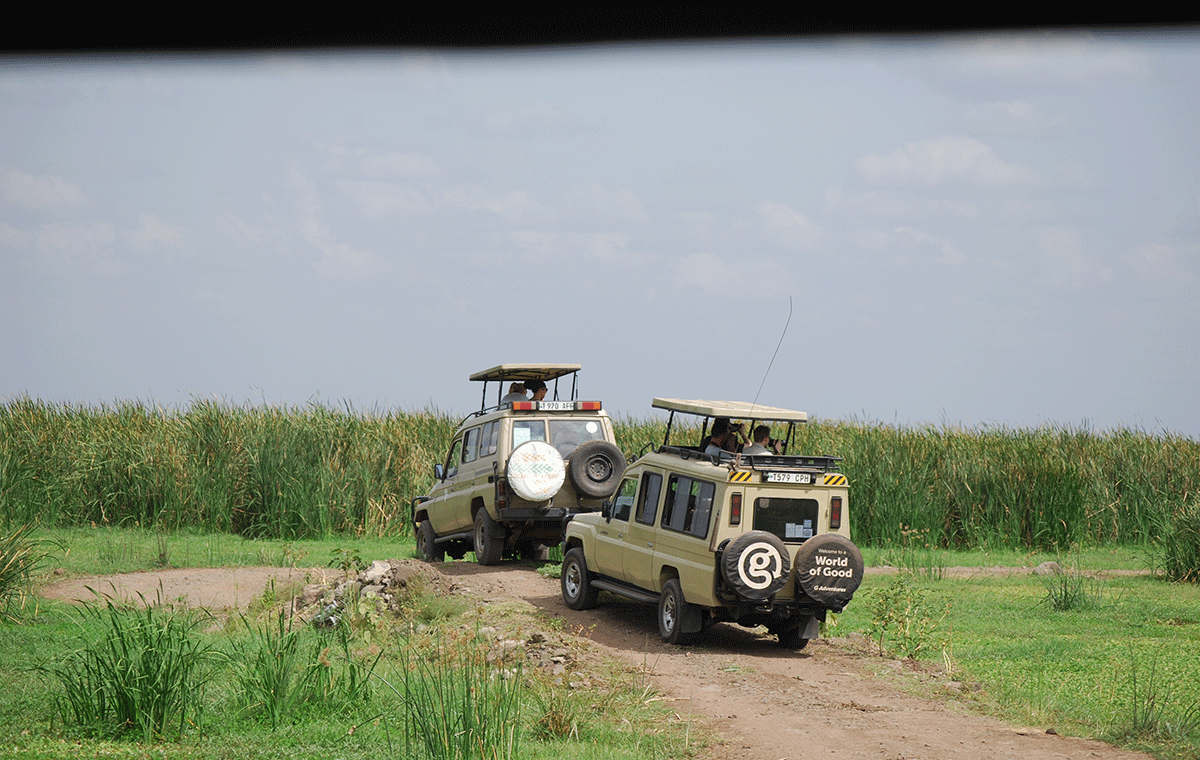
535,471
489,538
427,546
671,609
576,582
829,568
595,469
790,638
755,565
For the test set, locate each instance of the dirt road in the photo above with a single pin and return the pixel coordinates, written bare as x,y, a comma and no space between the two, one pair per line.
827,700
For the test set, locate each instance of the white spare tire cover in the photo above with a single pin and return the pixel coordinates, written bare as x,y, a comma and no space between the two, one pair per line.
536,471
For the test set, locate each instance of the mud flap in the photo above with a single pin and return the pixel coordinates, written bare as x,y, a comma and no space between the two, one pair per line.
810,628
691,619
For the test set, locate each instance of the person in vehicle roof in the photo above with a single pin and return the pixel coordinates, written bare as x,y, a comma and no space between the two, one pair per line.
516,392
762,442
725,437
537,387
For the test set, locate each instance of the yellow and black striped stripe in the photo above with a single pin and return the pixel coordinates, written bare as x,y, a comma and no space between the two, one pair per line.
741,477
834,480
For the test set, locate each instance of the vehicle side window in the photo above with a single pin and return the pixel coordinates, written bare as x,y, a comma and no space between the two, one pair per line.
623,503
688,506
471,445
647,506
487,443
452,460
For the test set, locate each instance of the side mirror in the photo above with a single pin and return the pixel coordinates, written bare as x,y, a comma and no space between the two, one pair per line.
439,472
606,510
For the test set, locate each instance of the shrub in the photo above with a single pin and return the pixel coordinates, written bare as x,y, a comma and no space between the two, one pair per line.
285,670
145,674
19,558
1176,554
903,614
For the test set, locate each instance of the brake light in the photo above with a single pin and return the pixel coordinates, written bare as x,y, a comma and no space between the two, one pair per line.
589,406
502,491
523,406
835,512
735,509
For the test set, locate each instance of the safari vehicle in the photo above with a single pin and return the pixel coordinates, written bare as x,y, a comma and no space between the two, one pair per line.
750,539
515,469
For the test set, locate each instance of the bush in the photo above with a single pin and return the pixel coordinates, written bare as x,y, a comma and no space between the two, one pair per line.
19,557
1176,554
145,674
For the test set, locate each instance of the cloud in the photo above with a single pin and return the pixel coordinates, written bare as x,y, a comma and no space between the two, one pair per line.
719,277
39,191
339,260
379,199
1158,263
534,117
11,237
153,233
1064,262
609,248
951,256
896,205
516,205
361,162
79,243
944,159
597,201
788,226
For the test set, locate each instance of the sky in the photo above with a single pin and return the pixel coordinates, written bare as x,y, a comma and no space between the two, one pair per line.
986,230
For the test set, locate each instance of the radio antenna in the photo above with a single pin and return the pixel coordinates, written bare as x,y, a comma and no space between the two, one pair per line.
777,345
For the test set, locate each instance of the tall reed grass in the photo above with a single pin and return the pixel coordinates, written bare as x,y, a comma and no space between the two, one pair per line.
294,472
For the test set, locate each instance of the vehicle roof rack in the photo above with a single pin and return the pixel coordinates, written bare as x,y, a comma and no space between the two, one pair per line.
522,372
738,409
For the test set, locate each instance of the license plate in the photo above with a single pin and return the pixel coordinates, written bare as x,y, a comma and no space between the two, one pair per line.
556,406
789,477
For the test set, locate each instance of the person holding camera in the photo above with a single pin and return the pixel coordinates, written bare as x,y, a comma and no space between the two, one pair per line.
725,437
763,444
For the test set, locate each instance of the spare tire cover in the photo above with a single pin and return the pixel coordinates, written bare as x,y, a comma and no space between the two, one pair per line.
595,468
829,568
535,471
756,565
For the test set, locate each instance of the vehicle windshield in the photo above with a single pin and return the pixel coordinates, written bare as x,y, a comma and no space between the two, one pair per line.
565,434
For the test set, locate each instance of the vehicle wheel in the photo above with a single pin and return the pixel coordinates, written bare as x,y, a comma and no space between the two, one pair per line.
427,546
576,582
790,639
755,565
489,539
595,468
671,608
829,568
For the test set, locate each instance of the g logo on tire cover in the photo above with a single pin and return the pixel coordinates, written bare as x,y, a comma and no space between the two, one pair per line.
759,565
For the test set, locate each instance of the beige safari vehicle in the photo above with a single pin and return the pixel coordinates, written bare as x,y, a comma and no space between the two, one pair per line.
516,468
759,539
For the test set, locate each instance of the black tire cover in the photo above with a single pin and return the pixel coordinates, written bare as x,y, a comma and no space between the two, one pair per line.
595,469
829,568
755,565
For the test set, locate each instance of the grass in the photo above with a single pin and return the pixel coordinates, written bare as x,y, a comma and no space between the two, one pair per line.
1125,666
378,686
313,471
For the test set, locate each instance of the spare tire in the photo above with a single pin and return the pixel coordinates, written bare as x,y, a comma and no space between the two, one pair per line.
755,565
535,471
595,469
829,568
